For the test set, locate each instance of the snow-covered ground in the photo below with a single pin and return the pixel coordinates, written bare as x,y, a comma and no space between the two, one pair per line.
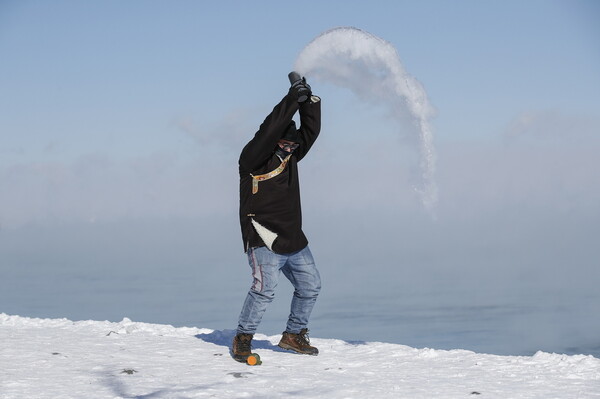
59,358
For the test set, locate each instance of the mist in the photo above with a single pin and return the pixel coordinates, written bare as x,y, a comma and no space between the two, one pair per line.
371,68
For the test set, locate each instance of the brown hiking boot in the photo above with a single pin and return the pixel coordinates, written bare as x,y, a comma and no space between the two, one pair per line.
298,343
241,347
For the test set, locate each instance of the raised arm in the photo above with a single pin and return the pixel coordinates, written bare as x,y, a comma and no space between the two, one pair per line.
260,148
310,125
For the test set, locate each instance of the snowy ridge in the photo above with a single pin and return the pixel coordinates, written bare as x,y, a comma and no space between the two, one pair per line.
59,358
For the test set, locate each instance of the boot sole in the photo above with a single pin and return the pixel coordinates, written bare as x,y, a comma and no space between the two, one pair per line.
291,348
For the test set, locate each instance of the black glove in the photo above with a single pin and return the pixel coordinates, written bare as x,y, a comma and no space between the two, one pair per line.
300,89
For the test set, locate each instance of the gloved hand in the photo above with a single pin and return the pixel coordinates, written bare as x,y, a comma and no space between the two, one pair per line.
300,89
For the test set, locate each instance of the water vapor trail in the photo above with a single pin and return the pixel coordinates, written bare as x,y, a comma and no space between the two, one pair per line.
371,68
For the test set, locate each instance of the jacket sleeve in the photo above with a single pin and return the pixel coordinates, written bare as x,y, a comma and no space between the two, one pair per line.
310,125
260,148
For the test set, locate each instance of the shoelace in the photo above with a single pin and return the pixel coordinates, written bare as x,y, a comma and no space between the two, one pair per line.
303,338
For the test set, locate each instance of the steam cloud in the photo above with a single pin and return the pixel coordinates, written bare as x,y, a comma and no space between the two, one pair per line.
371,68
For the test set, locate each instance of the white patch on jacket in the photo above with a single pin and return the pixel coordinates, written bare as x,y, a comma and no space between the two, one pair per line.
265,234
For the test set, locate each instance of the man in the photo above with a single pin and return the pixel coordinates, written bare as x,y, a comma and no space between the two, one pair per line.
271,219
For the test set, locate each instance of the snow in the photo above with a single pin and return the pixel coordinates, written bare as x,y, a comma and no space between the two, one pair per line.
59,358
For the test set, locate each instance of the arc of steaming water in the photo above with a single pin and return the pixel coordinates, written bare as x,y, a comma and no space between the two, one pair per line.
371,67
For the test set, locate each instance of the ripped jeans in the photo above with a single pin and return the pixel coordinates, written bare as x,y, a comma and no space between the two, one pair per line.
299,267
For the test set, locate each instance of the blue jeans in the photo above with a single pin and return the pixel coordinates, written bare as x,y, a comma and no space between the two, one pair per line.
299,267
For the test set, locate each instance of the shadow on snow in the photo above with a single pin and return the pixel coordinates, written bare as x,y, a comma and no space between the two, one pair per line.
225,337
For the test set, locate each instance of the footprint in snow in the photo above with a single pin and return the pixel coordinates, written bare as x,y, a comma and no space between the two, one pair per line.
128,371
239,375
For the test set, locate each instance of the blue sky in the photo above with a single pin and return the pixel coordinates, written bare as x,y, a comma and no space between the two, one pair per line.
81,77
112,110
121,124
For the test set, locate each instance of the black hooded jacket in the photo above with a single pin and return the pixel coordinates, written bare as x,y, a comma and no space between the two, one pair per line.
272,215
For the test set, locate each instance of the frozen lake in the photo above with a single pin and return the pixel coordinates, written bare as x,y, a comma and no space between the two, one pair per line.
177,277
